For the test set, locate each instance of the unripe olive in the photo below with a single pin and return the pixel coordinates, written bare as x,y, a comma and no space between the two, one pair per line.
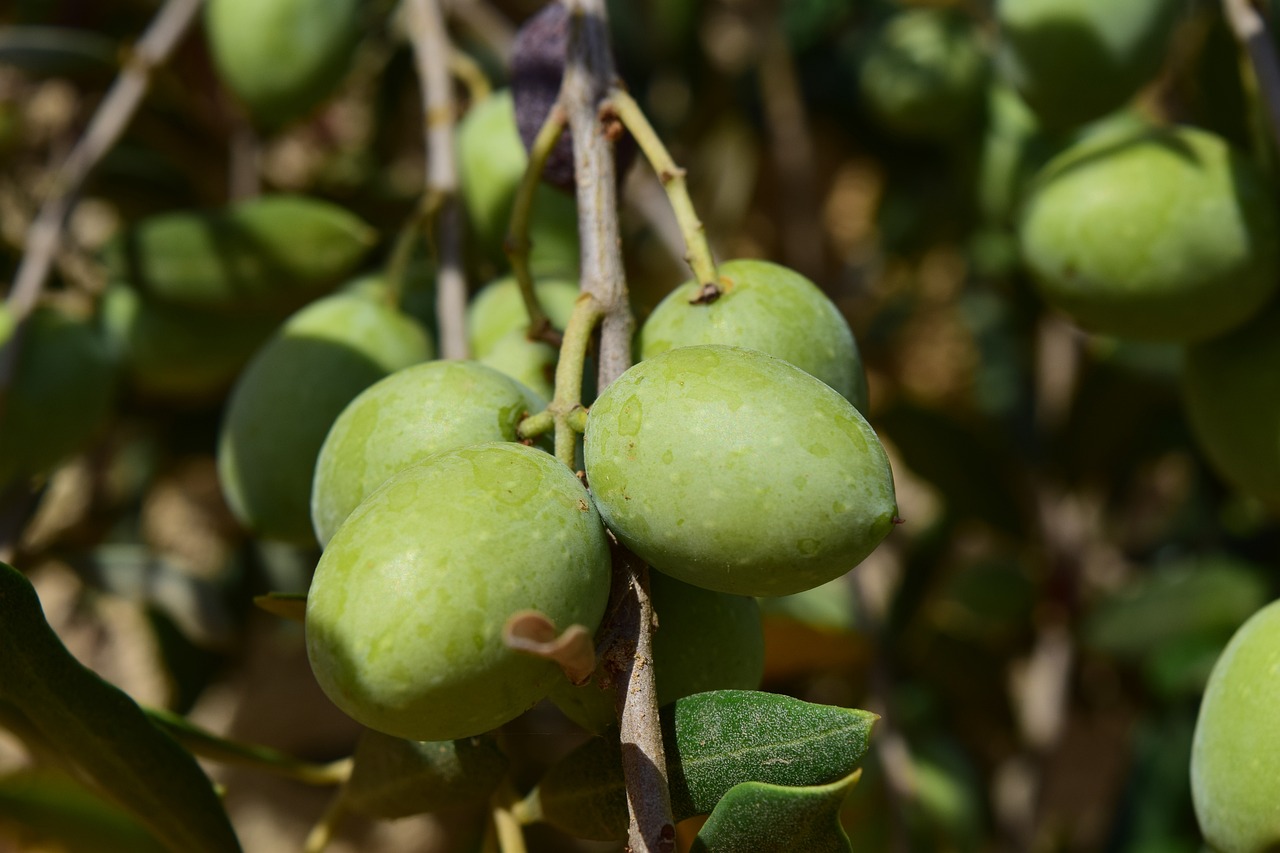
767,307
1162,235
403,419
282,57
1074,60
704,641
176,353
1231,393
1235,754
923,74
491,162
531,363
736,471
406,611
498,309
60,393
290,394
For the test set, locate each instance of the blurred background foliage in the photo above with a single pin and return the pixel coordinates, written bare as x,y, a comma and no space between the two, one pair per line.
1036,633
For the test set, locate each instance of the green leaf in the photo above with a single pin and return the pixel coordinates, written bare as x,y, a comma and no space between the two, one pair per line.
54,810
713,741
216,748
757,817
102,730
286,605
395,778
57,51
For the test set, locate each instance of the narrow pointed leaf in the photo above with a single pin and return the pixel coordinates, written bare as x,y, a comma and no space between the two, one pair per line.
756,817
99,728
714,741
395,778
286,605
206,744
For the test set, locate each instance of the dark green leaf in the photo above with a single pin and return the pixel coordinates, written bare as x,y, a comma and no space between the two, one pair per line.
102,730
286,605
209,745
395,778
756,817
55,810
57,51
713,741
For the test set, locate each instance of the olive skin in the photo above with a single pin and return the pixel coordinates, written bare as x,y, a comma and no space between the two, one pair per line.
406,611
498,309
738,472
767,307
1231,389
60,395
1235,753
406,417
1163,235
1076,60
282,57
923,75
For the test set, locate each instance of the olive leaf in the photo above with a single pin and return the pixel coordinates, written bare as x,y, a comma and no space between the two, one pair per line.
51,808
102,731
206,744
394,778
757,817
270,252
286,605
713,741
57,51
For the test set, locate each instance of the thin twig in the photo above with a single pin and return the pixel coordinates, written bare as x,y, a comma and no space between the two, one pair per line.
245,172
517,245
568,396
486,23
588,76
1250,29
327,826
470,74
105,128
697,250
431,50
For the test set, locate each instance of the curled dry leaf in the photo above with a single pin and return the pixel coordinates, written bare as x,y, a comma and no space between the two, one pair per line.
533,633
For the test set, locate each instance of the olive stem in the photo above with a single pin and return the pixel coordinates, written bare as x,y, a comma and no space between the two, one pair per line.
587,312
327,826
535,425
105,128
486,23
588,77
1250,30
431,50
397,267
510,835
470,74
697,249
518,245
